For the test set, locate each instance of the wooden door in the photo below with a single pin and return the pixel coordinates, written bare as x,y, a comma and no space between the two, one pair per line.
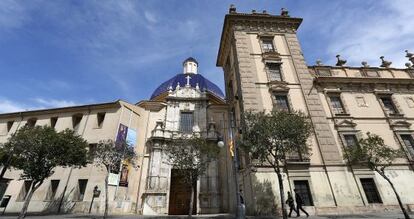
180,195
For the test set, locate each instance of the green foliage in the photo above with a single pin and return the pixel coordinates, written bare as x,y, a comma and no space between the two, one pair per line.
373,152
111,154
270,137
191,155
38,150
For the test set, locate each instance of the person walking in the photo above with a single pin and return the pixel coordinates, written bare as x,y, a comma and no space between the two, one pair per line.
291,204
299,203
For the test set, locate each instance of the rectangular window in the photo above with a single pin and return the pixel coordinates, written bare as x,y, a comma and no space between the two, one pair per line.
388,105
31,122
274,71
76,119
350,140
408,143
81,189
53,121
25,190
370,190
9,125
54,184
100,117
282,102
186,122
302,188
336,104
267,45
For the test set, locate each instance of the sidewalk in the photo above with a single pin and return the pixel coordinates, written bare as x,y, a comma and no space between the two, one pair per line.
216,216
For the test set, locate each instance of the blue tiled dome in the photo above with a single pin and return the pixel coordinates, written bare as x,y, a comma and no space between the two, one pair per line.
203,83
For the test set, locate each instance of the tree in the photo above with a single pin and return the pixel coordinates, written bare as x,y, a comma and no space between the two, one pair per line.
111,155
37,151
270,137
376,155
190,156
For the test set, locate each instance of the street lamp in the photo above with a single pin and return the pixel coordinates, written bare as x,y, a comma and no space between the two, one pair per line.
96,194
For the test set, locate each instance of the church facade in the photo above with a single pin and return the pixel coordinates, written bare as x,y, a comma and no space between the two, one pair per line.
264,69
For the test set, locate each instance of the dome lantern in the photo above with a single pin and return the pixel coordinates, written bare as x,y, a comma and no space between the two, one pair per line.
190,66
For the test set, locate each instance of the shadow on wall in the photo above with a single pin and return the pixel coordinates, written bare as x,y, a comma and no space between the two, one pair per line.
265,200
53,205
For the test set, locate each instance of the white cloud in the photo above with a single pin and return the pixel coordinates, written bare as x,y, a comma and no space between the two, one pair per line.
12,14
7,106
151,17
366,33
53,103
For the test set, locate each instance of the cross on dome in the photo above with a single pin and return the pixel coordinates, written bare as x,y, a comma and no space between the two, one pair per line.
188,80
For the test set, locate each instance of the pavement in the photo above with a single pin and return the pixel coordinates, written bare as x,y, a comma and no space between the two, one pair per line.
215,216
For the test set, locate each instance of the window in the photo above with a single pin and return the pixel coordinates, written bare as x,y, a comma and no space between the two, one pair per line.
53,121
186,122
336,104
9,125
302,188
52,189
92,148
370,190
274,71
100,117
388,105
350,140
25,190
31,122
81,189
76,119
408,142
282,102
267,45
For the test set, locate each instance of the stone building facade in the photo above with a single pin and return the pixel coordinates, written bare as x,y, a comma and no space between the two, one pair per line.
264,69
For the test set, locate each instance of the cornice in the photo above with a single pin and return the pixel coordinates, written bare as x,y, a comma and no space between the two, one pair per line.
268,24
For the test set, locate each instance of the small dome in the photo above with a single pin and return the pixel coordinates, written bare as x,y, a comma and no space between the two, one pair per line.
203,83
190,59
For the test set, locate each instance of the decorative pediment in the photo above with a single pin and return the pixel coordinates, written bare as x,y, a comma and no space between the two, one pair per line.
278,86
272,56
344,123
400,124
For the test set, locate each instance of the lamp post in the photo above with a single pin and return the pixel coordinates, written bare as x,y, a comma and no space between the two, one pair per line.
96,194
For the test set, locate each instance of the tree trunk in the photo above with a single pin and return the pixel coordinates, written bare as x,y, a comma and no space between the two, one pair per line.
190,212
33,188
106,195
282,193
396,194
3,171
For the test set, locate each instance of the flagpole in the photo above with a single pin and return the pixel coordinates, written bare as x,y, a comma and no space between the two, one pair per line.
239,207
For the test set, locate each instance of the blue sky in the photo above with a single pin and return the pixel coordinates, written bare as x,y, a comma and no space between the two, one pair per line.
62,53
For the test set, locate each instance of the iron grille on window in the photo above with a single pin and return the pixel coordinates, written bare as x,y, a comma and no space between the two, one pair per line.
186,122
282,102
408,143
350,140
267,45
337,106
274,71
302,188
370,190
388,105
